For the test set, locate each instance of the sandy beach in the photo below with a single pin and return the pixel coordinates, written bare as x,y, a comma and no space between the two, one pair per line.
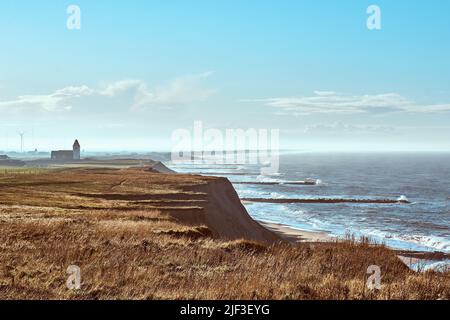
296,235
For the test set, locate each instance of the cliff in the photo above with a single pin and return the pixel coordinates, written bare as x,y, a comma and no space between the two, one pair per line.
227,217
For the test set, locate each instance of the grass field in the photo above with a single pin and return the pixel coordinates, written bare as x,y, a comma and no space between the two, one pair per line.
21,170
141,235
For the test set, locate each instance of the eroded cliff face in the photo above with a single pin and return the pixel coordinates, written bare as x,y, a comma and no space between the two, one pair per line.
227,218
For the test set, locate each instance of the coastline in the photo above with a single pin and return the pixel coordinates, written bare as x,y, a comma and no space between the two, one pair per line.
294,235
135,215
411,258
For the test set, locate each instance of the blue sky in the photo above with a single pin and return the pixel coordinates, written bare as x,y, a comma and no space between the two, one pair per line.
137,70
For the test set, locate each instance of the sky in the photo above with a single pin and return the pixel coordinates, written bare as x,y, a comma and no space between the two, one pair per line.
136,71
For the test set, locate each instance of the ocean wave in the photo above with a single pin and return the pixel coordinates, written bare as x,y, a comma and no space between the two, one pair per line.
261,178
292,216
246,192
283,214
309,200
266,179
438,266
404,240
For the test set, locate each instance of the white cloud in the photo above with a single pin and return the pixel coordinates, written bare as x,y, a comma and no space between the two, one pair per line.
331,102
180,91
118,87
437,108
340,127
57,101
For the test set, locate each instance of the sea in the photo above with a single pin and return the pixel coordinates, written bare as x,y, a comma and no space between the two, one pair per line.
423,179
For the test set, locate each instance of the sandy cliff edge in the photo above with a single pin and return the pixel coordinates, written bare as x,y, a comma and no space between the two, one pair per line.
226,216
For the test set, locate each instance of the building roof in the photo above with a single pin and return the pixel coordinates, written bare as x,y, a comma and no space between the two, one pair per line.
76,144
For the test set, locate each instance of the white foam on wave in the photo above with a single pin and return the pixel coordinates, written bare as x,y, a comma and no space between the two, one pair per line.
255,193
287,215
276,195
249,193
405,241
439,266
267,179
424,265
261,178
300,218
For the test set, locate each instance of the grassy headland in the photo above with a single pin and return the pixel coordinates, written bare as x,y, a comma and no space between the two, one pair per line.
137,234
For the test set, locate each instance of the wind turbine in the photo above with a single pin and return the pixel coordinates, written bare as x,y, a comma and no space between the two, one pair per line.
21,141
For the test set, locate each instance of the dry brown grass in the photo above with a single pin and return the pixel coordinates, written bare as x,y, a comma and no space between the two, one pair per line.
125,230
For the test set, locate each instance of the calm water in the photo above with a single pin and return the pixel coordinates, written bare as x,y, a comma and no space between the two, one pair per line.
423,178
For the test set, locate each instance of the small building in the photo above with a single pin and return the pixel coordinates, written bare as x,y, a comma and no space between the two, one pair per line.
3,157
67,155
